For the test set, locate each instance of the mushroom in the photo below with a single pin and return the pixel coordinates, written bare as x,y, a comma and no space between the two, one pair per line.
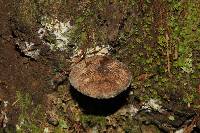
100,77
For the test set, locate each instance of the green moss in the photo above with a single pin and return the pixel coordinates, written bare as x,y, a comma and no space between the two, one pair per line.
27,12
62,127
185,32
27,120
91,120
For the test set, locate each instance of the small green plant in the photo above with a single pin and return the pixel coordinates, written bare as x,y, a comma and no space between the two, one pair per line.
188,98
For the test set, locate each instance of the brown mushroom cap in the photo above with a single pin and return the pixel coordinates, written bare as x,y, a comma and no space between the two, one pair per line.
100,77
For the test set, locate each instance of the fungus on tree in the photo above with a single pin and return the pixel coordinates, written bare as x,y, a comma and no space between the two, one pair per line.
100,77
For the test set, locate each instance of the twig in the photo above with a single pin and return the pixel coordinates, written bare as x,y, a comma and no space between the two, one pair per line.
15,102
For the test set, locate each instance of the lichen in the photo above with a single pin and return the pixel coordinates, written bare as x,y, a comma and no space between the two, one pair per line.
59,30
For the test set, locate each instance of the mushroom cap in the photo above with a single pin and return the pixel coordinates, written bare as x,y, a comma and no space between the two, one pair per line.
100,77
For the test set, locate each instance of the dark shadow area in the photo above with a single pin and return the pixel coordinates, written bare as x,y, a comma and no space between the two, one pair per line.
102,107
